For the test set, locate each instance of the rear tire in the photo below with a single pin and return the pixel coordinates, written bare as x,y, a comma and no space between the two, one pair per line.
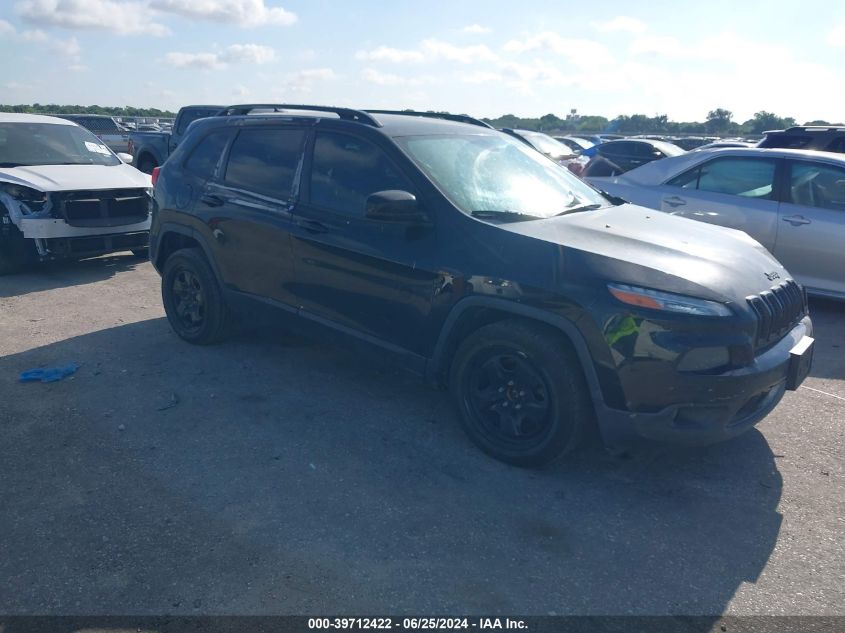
147,164
192,298
520,392
16,252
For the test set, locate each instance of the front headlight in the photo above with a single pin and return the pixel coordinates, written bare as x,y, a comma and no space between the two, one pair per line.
31,200
667,301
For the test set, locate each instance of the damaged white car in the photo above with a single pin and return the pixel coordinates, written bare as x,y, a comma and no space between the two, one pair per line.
64,194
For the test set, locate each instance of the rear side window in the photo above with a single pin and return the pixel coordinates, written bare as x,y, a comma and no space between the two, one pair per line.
817,185
206,154
189,116
265,161
786,141
626,148
346,170
100,126
746,177
837,145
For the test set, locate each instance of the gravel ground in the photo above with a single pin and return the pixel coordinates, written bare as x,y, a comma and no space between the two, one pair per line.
278,474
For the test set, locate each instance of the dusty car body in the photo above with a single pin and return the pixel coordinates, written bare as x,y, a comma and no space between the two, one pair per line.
482,265
65,194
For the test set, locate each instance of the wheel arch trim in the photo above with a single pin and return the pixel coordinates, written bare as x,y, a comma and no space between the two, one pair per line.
436,363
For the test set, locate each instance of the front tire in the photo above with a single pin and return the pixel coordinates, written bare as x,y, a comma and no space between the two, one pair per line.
520,392
192,298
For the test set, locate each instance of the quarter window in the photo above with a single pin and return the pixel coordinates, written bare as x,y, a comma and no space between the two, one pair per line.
746,177
817,185
265,161
346,170
205,156
837,145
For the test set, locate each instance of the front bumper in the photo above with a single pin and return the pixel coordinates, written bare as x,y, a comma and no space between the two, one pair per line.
729,404
93,245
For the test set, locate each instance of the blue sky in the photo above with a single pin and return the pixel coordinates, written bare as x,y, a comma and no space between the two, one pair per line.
526,57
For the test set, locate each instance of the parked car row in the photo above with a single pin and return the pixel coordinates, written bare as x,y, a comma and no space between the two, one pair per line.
468,254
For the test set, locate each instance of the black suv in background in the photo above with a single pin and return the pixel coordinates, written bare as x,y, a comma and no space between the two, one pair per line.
485,267
617,157
825,138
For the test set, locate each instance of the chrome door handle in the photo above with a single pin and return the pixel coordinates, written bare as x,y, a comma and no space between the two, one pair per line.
674,201
796,220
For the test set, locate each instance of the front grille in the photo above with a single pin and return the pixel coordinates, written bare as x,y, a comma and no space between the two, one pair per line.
104,208
777,310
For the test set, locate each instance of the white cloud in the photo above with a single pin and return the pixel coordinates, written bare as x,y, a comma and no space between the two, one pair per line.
35,35
194,60
476,29
462,54
386,79
663,45
234,54
579,52
621,23
429,50
304,80
393,55
68,48
240,92
245,13
6,28
836,37
247,54
124,18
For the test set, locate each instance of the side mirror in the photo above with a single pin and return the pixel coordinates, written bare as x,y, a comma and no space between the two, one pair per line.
125,158
395,206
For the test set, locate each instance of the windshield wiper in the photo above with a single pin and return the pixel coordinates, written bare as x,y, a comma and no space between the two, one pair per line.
505,216
581,207
616,200
10,165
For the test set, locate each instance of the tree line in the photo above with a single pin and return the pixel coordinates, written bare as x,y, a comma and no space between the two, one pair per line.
719,122
120,111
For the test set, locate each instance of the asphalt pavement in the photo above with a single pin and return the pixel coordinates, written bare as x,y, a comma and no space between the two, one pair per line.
282,474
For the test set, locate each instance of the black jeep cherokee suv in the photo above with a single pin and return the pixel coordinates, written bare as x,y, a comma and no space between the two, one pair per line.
543,305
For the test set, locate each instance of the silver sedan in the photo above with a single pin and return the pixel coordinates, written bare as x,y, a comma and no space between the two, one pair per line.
790,201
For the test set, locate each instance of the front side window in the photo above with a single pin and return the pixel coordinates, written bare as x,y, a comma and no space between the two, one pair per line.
204,157
746,177
346,170
494,173
817,185
265,161
28,144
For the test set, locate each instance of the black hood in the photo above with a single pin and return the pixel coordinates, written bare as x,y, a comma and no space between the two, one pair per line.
638,246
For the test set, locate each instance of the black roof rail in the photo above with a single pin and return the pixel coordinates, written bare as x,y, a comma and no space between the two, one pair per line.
460,118
806,128
347,114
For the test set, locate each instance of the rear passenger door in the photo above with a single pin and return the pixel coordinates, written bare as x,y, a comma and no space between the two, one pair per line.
736,192
365,276
811,234
248,210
